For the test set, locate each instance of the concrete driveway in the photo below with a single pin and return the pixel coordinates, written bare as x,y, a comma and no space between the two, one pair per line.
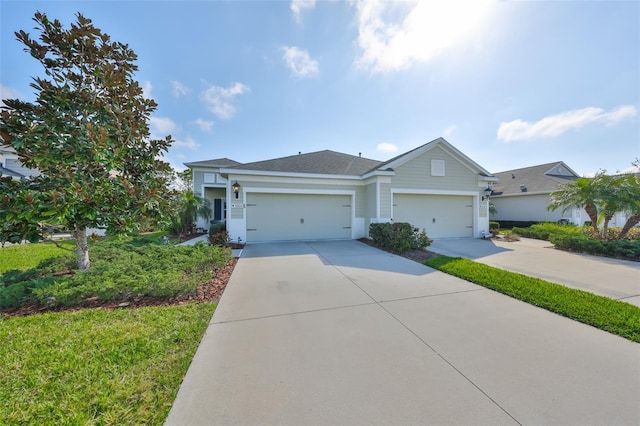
341,333
617,279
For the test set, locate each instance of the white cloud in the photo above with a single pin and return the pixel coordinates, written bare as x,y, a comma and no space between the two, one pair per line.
220,99
205,125
297,6
448,131
146,89
299,62
555,125
386,147
162,125
188,143
424,30
179,89
8,93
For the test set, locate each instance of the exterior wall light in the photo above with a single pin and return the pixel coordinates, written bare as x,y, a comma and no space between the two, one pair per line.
236,188
487,193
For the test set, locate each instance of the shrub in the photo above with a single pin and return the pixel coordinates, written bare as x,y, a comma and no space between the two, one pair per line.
494,225
510,235
627,249
120,270
398,237
508,224
219,239
217,228
542,231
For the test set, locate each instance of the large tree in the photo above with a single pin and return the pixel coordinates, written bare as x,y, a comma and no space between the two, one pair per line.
87,133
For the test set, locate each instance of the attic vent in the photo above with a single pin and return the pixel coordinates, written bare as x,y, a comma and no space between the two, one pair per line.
523,188
299,152
513,176
359,154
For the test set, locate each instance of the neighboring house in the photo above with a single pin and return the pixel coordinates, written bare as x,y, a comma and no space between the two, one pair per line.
332,195
10,164
523,194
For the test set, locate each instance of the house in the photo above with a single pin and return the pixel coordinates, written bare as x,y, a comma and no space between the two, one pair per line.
523,194
10,164
332,195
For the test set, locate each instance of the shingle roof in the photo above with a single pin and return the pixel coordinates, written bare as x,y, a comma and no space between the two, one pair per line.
218,162
543,178
321,162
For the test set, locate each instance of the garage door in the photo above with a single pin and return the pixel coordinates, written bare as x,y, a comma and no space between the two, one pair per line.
443,216
281,217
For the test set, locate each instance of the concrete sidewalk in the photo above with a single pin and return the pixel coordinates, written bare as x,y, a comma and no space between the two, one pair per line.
617,279
341,333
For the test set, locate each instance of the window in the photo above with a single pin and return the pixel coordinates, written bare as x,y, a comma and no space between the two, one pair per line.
437,167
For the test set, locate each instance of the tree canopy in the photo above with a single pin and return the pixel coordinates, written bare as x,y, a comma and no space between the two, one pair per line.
87,133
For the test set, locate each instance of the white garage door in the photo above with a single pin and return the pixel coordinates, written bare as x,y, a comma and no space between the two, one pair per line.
282,217
443,216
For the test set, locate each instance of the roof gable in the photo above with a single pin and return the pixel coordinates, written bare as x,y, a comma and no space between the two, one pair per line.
321,162
439,142
543,178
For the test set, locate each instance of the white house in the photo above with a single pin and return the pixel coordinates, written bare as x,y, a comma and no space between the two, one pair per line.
332,195
523,194
10,165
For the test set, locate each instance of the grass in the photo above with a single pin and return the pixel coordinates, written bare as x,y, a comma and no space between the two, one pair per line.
97,366
25,256
606,314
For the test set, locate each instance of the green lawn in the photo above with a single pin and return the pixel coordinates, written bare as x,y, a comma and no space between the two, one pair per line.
606,314
96,366
25,256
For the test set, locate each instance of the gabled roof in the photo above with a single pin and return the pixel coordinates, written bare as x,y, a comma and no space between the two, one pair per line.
543,178
403,158
218,162
321,162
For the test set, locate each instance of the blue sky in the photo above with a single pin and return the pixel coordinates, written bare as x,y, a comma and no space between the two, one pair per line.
510,84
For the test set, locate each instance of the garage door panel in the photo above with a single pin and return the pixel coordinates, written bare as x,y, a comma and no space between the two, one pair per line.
281,217
442,216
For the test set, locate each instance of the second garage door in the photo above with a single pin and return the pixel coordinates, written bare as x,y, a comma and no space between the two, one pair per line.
443,216
282,217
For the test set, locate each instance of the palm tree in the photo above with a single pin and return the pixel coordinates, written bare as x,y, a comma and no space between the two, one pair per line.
630,194
188,207
582,192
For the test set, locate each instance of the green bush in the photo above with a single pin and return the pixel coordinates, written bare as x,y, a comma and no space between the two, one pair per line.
542,231
508,224
119,270
494,225
398,237
217,228
627,249
219,239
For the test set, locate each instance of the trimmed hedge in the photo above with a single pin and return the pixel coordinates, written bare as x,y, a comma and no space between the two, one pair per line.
494,225
398,237
508,224
542,231
626,249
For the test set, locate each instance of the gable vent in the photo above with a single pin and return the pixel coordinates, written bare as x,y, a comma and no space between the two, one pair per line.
523,188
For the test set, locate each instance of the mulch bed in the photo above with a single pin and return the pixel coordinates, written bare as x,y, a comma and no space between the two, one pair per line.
209,292
419,255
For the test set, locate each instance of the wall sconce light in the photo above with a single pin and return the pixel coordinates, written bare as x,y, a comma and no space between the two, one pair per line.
236,188
487,193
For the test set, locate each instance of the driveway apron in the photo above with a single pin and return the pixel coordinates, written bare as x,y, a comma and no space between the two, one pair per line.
338,332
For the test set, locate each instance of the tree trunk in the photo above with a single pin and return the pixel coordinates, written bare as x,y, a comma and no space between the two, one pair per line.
605,226
82,248
592,212
631,222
